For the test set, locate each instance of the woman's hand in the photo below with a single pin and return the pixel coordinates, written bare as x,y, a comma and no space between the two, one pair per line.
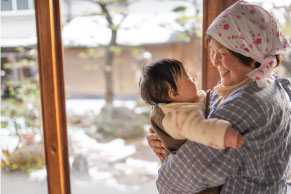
156,144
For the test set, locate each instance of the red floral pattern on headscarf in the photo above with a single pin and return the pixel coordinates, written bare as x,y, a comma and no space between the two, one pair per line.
252,31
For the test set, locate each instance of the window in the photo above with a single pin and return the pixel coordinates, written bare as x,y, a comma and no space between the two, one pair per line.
6,5
22,4
15,5
128,165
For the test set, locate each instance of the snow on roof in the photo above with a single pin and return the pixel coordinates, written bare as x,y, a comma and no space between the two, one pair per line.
136,29
142,26
30,41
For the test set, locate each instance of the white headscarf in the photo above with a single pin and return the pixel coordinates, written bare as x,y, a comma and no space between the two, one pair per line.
253,32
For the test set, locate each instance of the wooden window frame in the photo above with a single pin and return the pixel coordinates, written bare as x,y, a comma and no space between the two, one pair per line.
51,65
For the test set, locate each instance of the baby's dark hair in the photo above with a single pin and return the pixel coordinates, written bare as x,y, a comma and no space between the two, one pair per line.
158,78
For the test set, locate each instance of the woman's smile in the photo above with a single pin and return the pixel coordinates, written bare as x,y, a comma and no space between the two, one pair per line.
224,73
231,69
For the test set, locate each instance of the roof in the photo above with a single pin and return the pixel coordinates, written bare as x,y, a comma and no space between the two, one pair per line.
149,22
137,29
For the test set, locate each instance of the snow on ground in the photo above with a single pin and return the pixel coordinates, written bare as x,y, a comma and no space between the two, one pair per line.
38,175
109,152
81,106
110,164
8,140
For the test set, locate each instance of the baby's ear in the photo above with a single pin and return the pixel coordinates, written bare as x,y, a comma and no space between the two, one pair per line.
173,94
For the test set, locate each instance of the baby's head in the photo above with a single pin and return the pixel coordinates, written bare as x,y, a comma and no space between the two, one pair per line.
166,81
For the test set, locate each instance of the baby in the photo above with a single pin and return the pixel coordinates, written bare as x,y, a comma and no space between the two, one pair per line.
178,111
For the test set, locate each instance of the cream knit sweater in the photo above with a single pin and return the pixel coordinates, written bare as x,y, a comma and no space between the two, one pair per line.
187,121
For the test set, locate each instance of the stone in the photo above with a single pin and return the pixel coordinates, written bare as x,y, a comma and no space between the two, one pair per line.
119,122
80,165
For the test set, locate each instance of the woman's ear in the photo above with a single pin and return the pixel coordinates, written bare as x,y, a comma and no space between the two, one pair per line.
173,94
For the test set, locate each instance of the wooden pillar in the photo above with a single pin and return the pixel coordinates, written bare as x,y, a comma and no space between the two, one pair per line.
211,9
50,62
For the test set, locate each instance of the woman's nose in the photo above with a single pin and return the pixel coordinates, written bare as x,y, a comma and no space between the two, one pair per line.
215,60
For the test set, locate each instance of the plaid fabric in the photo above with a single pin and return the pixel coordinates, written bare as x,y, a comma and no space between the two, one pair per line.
260,166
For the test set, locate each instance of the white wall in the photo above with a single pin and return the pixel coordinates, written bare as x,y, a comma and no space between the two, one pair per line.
21,24
18,25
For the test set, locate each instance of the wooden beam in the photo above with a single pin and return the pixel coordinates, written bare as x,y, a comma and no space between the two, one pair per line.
50,62
211,9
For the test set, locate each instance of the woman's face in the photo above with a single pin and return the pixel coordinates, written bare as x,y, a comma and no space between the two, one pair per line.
231,69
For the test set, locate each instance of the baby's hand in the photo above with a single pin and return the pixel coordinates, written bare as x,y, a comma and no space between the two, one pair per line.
233,139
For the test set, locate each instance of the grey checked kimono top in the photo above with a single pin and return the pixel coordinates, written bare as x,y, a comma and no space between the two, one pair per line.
259,166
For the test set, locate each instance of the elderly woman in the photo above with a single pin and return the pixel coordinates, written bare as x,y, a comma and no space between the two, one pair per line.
245,45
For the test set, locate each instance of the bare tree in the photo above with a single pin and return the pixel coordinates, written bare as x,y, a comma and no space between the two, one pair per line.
107,10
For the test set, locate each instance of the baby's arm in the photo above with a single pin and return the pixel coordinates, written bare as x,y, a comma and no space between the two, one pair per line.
188,122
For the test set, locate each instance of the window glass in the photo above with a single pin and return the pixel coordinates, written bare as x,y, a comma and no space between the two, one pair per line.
107,120
22,4
6,5
23,167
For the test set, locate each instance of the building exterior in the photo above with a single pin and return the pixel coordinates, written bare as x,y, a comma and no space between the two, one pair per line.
84,76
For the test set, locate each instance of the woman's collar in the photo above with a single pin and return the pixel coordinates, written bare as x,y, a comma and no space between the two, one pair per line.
225,91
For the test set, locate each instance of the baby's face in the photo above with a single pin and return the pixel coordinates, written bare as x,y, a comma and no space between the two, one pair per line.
186,88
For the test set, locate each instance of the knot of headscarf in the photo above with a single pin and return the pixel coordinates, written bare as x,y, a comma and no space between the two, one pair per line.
264,71
253,32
